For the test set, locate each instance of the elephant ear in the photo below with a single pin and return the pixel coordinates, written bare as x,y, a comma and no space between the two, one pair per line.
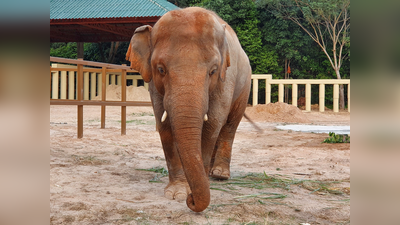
139,52
226,61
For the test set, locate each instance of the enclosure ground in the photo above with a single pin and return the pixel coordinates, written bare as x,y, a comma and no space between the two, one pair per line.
277,177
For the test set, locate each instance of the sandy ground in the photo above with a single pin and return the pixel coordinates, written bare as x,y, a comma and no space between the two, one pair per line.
277,177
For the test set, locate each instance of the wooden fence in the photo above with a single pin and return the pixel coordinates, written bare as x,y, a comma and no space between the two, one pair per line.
78,82
81,83
307,82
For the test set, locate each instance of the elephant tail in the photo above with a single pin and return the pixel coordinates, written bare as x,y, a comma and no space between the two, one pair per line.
259,130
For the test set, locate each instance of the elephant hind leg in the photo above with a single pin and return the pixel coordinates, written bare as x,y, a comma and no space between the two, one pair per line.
221,158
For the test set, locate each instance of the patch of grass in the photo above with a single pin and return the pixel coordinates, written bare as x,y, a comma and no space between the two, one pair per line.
88,160
136,122
263,196
262,181
162,172
337,138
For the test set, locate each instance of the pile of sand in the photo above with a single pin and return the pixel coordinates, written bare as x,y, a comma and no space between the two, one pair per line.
113,93
276,112
314,107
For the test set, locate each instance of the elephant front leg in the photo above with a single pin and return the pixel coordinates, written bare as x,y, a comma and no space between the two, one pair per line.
178,187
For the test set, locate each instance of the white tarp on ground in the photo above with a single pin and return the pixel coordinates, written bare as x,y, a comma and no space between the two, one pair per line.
317,128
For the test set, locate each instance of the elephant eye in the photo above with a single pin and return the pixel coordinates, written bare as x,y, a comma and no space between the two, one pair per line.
213,71
161,70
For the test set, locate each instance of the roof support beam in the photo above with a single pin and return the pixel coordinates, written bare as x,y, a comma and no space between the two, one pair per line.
111,29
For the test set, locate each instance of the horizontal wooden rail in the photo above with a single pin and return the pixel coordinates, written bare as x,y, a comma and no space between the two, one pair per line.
101,103
88,63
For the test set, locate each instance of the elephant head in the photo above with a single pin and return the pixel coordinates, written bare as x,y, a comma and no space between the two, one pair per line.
186,55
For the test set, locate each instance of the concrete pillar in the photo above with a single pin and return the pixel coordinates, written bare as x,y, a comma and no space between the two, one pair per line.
134,82
119,80
255,92
86,86
71,85
63,85
54,93
280,92
107,79
321,97
308,97
294,94
336,98
146,85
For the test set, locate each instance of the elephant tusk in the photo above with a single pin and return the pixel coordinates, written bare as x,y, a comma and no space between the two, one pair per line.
205,117
164,116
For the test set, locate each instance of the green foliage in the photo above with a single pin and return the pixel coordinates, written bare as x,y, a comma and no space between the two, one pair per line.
64,50
184,3
242,16
100,52
337,138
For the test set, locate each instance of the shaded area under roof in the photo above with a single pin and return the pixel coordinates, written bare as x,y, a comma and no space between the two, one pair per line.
102,20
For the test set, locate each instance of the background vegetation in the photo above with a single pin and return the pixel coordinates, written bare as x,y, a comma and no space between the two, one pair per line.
269,39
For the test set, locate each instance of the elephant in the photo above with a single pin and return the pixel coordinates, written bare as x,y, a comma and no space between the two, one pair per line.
199,82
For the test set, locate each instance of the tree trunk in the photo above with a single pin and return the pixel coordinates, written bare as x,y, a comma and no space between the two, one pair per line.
341,91
341,97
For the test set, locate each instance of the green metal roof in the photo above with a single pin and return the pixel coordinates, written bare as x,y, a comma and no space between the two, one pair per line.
89,9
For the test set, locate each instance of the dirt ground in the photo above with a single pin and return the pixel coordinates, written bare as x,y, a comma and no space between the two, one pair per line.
277,177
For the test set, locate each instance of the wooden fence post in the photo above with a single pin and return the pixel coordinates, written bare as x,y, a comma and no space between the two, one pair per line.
321,97
348,97
99,84
86,86
268,89
71,85
80,97
294,94
54,84
308,97
336,98
255,92
63,85
123,99
280,92
103,96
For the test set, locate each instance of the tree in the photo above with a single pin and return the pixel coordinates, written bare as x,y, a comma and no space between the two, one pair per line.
242,16
327,20
288,40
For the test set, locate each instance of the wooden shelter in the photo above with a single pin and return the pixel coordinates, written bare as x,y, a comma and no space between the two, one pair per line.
102,20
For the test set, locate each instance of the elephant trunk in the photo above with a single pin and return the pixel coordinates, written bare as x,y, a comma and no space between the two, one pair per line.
187,123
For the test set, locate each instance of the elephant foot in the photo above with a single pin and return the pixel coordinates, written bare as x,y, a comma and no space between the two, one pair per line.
220,173
177,190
